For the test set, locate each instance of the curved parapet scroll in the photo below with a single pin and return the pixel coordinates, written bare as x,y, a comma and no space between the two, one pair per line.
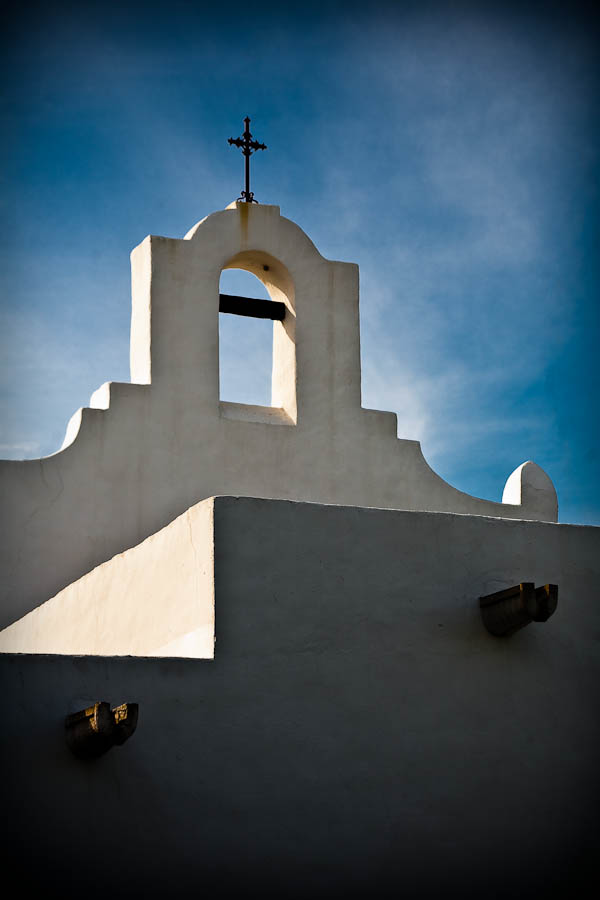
529,487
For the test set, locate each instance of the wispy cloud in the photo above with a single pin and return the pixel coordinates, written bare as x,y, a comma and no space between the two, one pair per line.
23,450
447,154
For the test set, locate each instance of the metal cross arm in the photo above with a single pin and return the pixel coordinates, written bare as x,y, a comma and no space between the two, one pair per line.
248,147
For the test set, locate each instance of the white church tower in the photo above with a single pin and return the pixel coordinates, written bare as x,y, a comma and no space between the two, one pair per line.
305,614
143,453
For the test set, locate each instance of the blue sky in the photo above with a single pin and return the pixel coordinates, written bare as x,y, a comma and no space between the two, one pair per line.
450,150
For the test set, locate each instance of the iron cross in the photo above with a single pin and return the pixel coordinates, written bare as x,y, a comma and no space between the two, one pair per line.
248,147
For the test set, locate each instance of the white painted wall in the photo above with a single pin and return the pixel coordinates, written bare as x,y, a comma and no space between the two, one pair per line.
358,730
143,453
156,599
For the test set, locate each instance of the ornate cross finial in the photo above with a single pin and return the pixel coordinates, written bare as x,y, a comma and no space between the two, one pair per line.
248,147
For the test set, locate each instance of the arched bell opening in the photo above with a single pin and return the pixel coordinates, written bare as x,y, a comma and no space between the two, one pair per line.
257,333
245,342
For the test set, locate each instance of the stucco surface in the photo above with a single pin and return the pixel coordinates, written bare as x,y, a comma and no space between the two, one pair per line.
144,452
156,599
358,731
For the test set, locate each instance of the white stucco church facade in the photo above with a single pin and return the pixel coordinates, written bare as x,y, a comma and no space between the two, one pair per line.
291,596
